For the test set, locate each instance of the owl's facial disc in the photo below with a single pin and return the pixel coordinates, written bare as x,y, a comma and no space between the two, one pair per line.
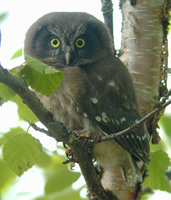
68,50
60,41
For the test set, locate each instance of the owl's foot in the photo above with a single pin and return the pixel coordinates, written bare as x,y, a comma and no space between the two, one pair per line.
83,133
71,158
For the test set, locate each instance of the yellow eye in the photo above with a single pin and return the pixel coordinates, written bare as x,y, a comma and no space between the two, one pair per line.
80,43
54,42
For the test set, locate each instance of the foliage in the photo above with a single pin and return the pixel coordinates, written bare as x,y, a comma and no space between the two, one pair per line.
57,178
21,152
38,75
157,171
17,54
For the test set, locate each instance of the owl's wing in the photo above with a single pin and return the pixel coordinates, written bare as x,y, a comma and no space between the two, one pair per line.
112,107
112,118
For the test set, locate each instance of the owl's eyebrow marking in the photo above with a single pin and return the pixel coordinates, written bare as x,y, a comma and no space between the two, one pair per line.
94,100
81,29
78,35
56,32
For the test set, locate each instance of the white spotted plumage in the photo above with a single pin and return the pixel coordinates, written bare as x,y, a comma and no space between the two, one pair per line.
94,100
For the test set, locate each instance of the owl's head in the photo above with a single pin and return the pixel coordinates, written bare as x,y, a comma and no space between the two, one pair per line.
68,39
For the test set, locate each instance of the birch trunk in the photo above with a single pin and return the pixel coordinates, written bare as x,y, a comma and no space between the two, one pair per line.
142,41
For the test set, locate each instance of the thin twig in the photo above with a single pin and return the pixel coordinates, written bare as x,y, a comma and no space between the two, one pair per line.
36,128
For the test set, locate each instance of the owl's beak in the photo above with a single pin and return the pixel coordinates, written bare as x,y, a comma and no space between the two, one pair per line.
67,56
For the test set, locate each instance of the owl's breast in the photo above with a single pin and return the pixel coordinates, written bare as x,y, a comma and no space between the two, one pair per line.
64,103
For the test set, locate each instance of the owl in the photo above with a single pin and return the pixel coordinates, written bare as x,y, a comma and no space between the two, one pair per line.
97,94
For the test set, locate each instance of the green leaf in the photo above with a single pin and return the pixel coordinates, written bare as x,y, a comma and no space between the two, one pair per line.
21,152
145,196
60,180
6,176
17,54
13,131
24,113
41,198
160,146
67,193
160,162
165,123
6,93
45,160
41,77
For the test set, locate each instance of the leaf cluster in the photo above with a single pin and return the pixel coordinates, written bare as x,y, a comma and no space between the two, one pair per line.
39,76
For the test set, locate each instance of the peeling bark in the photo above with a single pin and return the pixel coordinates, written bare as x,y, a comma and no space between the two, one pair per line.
142,40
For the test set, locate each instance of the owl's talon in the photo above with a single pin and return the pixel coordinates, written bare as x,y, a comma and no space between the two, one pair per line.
93,196
71,165
70,156
64,145
69,153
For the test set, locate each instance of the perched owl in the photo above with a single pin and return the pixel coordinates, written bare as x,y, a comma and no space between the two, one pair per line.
97,94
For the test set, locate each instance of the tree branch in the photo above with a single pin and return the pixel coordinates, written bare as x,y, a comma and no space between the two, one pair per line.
107,9
58,131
